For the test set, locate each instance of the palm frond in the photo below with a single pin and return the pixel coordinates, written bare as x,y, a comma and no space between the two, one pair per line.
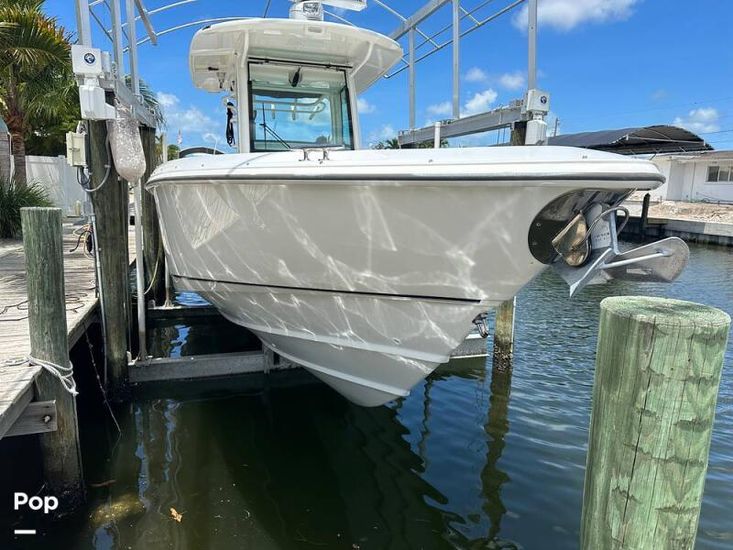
31,41
150,100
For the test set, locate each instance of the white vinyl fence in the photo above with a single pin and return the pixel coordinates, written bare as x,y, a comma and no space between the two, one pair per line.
59,180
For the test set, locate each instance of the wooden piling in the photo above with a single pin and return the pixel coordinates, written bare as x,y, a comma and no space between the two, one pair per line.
504,322
111,212
44,262
152,241
504,335
645,215
658,368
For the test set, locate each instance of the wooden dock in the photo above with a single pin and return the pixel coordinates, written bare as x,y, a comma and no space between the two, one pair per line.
16,381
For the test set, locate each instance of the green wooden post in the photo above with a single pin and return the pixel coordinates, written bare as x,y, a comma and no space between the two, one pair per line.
111,213
658,367
504,335
44,260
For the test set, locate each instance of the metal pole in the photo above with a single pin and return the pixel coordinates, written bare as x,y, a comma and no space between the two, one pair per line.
169,296
114,8
140,271
532,46
132,46
456,58
436,138
83,23
411,37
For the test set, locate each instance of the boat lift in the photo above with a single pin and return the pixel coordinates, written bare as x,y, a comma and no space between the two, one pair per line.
104,87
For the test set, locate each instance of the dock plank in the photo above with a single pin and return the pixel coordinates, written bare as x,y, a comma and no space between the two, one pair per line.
16,392
16,381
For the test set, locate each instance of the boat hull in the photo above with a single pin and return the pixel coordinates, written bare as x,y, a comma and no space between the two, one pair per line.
369,283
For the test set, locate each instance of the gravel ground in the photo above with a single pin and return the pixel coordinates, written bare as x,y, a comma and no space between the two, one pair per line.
698,211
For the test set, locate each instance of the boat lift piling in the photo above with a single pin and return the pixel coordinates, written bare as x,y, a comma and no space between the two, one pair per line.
152,240
110,222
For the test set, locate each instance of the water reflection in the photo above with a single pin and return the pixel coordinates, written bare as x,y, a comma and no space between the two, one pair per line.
471,459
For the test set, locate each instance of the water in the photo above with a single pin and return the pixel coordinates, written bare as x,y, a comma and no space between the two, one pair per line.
464,462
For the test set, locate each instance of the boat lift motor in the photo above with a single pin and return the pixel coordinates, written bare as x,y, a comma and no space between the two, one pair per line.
90,65
588,253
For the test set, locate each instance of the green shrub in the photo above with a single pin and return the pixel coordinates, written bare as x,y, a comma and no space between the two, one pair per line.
12,199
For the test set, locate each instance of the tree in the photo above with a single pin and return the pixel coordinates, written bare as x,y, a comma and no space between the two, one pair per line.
392,143
36,83
395,144
150,100
173,149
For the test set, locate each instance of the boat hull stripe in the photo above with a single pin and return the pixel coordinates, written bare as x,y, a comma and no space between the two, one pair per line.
233,178
332,291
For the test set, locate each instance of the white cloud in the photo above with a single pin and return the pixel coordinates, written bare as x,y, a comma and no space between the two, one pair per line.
441,109
701,121
659,95
512,81
167,100
190,120
480,102
565,15
474,74
381,134
364,107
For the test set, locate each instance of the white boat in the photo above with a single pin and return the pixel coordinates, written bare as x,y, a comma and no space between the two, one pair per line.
368,267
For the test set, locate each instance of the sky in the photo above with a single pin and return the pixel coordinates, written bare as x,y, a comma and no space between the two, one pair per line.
606,63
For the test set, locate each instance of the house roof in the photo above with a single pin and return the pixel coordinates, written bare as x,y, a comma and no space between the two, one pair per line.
717,155
636,141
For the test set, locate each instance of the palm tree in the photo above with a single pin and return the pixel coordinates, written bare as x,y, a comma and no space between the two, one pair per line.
36,83
392,143
150,99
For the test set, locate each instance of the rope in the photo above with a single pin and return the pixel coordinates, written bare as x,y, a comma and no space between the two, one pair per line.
64,374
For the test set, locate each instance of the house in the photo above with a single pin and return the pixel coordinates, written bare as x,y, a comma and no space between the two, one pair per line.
705,176
694,171
6,156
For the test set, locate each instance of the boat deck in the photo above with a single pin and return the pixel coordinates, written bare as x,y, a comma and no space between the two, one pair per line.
16,381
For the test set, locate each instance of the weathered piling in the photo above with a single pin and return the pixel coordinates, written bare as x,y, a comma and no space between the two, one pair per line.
152,241
48,338
504,324
658,367
645,215
111,213
504,335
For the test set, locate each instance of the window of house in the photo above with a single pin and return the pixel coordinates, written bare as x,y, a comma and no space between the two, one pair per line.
720,174
724,173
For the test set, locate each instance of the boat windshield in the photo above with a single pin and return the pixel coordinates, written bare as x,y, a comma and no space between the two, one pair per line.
294,106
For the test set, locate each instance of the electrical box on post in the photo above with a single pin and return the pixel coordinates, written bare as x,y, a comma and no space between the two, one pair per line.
76,151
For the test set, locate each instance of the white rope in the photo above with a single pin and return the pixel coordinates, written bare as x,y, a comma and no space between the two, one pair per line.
64,374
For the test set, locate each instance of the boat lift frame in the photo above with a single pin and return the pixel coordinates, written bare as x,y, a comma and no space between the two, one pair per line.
409,26
119,34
